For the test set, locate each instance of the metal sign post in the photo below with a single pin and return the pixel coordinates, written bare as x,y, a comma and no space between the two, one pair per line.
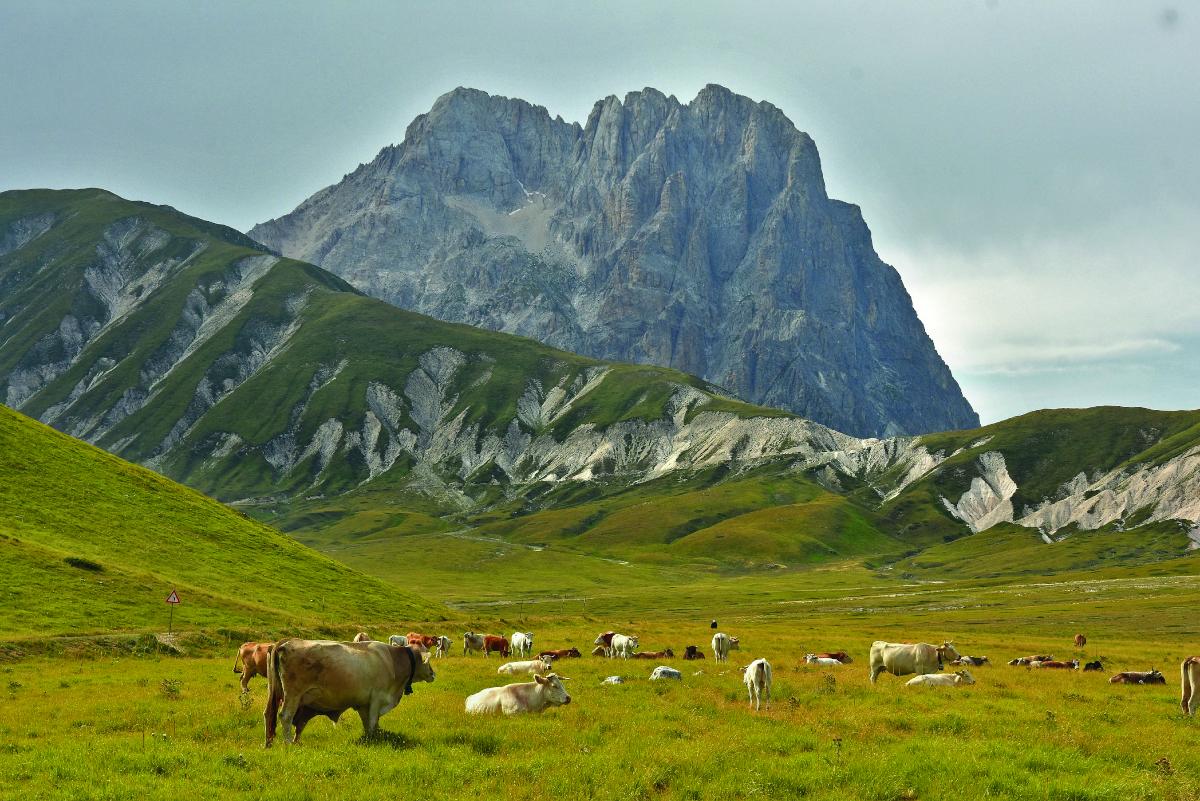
172,601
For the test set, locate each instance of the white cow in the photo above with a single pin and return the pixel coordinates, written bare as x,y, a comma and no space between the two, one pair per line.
623,646
472,642
758,681
531,667
813,659
521,643
941,679
722,644
903,659
443,646
613,680
664,672
514,699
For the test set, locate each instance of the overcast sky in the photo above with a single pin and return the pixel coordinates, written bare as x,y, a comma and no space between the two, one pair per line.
1031,168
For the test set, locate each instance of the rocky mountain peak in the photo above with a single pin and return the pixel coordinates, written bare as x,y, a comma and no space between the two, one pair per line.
698,236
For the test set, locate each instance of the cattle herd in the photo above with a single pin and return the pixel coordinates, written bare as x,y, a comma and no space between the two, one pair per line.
310,678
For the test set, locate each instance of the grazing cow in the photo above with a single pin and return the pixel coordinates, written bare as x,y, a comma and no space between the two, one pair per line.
1027,660
622,646
472,642
722,644
428,640
1080,640
1137,677
443,646
522,643
1055,665
667,654
362,636
253,656
495,643
840,656
693,652
561,653
1094,666
901,659
531,667
972,661
1189,678
664,672
513,699
605,642
757,677
956,679
813,659
307,678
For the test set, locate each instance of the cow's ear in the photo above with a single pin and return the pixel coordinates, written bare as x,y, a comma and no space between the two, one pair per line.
541,679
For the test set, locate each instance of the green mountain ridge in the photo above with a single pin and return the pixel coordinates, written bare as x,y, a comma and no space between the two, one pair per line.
91,543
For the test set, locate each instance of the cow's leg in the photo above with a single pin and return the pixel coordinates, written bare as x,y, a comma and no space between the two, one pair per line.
768,689
246,674
875,671
290,707
303,715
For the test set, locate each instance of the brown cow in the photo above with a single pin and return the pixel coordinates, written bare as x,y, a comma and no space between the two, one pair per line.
254,656
693,652
1138,677
605,641
561,653
840,656
307,678
362,636
667,654
428,640
1080,640
1072,665
492,642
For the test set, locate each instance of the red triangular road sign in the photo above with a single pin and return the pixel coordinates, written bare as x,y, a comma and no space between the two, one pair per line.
173,598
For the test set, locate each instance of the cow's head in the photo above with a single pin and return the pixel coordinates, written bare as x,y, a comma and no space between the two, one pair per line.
733,643
670,654
965,677
545,666
422,670
553,690
573,651
947,653
633,641
810,658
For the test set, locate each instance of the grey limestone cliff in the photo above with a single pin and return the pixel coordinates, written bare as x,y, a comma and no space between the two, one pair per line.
697,236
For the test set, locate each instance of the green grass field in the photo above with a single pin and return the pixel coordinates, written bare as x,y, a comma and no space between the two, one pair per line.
92,727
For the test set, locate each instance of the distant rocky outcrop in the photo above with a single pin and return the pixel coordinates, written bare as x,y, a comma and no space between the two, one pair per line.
697,236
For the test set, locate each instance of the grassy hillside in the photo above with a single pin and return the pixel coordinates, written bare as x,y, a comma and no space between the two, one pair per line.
91,543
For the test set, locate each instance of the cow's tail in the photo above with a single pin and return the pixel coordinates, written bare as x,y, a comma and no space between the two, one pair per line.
274,691
761,674
237,661
1185,684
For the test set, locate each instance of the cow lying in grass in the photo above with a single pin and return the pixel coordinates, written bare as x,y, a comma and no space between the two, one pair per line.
1027,660
814,659
515,699
956,679
667,654
531,667
1138,677
1053,665
971,661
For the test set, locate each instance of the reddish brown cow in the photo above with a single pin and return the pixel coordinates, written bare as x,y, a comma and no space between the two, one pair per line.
693,652
254,656
840,656
1138,677
428,640
561,653
1072,665
1080,640
491,643
667,654
605,641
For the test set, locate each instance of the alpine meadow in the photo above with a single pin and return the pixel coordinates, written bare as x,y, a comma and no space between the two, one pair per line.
608,459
